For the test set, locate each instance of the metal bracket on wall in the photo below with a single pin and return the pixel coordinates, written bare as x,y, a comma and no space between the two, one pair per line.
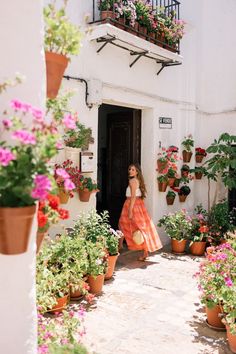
164,64
139,55
105,41
68,77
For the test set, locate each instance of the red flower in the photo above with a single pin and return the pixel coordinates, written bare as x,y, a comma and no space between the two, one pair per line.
42,219
64,214
203,229
54,201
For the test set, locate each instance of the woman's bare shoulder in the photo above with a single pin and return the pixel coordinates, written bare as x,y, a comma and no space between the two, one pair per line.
133,182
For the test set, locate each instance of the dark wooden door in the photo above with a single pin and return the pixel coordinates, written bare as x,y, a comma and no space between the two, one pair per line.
124,133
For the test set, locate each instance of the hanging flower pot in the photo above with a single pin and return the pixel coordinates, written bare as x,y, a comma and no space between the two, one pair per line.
187,155
111,266
39,239
161,165
56,65
182,198
63,195
213,318
84,195
231,340
162,186
198,175
178,246
96,283
199,158
73,154
197,248
170,198
15,229
171,181
60,305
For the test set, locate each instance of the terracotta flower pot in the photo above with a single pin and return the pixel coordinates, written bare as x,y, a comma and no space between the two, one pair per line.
78,293
182,198
160,38
63,196
56,65
184,173
39,239
178,246
120,23
199,158
162,186
60,305
198,175
171,181
152,36
15,229
107,14
186,155
111,266
198,248
161,165
84,195
142,32
96,283
213,318
231,340
170,200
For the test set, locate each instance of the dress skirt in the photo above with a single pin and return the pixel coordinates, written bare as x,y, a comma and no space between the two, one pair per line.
140,221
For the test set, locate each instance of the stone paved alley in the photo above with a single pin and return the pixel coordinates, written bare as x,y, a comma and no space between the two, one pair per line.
153,308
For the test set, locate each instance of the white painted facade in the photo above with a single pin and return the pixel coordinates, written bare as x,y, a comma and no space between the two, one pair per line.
199,95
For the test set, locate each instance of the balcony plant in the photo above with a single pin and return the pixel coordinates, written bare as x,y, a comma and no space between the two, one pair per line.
188,144
170,197
62,39
162,182
65,174
25,174
177,226
49,213
200,153
183,192
129,11
143,10
85,187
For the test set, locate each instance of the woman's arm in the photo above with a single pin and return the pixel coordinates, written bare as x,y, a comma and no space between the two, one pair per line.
133,184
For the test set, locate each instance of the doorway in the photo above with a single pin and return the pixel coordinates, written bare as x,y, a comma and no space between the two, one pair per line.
119,144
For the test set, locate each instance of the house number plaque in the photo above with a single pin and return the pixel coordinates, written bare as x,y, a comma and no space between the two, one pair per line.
165,123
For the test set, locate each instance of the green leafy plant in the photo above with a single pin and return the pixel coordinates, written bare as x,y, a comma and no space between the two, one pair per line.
80,137
184,190
61,36
162,179
106,5
188,142
171,173
86,183
177,225
223,162
171,194
185,168
59,106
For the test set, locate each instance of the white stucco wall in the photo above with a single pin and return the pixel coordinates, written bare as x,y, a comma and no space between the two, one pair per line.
21,51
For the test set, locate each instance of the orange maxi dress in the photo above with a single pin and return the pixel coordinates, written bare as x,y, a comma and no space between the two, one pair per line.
140,221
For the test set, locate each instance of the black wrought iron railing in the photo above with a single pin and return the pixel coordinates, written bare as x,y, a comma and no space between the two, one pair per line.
157,24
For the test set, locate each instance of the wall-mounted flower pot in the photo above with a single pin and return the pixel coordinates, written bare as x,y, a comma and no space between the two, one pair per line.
84,195
15,229
96,283
39,239
178,246
198,175
186,155
161,165
213,318
56,65
111,266
198,248
170,200
162,186
63,196
199,158
107,14
182,198
184,173
231,340
73,154
171,181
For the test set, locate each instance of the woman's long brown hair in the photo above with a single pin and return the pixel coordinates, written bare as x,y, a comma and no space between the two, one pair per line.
140,178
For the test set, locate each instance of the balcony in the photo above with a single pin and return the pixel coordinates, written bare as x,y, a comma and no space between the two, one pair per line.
151,29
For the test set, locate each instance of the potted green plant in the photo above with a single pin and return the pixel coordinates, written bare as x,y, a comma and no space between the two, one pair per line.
61,40
200,153
199,171
183,192
162,182
85,187
170,197
106,8
177,226
143,10
199,231
188,144
171,173
185,169
25,173
112,246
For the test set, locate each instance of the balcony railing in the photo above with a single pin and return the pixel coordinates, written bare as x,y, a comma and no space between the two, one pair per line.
158,23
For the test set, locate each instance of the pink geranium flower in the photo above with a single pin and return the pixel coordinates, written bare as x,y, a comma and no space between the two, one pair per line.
7,123
42,186
69,121
6,156
24,137
69,185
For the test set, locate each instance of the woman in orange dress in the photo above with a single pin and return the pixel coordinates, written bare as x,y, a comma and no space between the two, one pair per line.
134,215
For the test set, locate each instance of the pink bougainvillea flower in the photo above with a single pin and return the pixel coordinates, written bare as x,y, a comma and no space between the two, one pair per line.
69,121
6,156
7,123
42,186
24,137
62,173
69,185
